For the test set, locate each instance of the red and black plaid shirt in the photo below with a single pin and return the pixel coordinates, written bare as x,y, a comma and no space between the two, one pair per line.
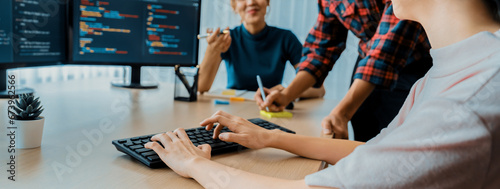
386,45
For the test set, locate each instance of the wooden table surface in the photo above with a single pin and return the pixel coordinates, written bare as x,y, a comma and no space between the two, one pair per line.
83,117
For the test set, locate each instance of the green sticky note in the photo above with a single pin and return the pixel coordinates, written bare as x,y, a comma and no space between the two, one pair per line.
283,114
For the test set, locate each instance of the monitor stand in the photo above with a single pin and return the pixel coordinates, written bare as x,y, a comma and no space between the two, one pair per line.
9,93
135,81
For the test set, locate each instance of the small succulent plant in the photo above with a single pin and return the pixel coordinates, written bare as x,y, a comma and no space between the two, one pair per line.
27,107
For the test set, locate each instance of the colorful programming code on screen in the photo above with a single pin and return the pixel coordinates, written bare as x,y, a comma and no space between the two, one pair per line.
135,31
32,31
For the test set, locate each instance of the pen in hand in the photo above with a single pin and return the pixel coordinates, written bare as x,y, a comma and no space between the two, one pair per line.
259,82
202,36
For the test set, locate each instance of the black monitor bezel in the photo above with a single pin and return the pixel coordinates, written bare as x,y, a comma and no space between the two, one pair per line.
24,64
69,55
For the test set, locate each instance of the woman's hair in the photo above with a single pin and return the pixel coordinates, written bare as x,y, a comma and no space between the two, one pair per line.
494,7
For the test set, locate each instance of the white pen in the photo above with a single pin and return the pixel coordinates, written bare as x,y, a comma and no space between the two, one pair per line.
259,82
201,36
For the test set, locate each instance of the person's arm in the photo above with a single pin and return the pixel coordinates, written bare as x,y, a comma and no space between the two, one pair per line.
255,137
194,162
322,48
338,118
217,44
211,174
294,54
395,41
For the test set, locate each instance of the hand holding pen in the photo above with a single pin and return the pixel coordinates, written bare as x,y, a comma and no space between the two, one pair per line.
218,41
270,100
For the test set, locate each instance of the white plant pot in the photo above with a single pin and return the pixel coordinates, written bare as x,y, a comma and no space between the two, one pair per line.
29,133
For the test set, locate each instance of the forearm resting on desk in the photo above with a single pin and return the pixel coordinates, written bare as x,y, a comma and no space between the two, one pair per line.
325,149
214,175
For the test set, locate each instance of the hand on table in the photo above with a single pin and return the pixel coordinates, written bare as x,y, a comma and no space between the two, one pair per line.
337,123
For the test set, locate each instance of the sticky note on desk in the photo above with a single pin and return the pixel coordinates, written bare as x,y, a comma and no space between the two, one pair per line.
229,92
221,102
283,114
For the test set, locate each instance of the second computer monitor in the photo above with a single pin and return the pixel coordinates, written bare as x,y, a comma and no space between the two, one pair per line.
134,32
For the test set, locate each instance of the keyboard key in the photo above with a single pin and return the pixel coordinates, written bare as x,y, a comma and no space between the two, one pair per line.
145,154
142,150
216,145
153,158
145,140
138,142
136,147
135,138
122,141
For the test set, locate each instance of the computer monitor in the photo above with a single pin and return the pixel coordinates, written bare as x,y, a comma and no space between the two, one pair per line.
134,33
32,33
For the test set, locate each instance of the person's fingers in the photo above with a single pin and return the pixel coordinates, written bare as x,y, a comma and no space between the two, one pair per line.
217,131
172,136
258,98
218,119
273,96
213,37
274,108
272,101
163,138
156,147
327,126
210,30
231,137
210,125
205,148
181,133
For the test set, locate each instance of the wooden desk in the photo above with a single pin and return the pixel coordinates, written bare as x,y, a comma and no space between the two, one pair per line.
77,153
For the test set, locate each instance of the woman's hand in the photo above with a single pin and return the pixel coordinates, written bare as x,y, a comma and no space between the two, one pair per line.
218,43
276,100
178,151
244,132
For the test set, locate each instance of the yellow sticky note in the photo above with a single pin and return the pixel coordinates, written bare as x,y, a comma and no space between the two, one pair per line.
230,92
283,114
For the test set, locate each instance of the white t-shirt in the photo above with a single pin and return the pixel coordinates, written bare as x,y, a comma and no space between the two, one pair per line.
446,135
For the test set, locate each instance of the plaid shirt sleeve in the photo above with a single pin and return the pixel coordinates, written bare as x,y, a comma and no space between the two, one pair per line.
390,48
323,46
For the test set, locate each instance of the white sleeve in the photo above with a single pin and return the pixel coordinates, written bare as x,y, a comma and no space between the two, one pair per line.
441,144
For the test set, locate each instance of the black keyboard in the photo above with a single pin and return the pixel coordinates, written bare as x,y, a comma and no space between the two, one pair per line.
135,146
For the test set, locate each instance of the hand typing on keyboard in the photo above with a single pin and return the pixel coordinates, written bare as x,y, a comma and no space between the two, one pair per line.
243,131
237,134
181,150
179,153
